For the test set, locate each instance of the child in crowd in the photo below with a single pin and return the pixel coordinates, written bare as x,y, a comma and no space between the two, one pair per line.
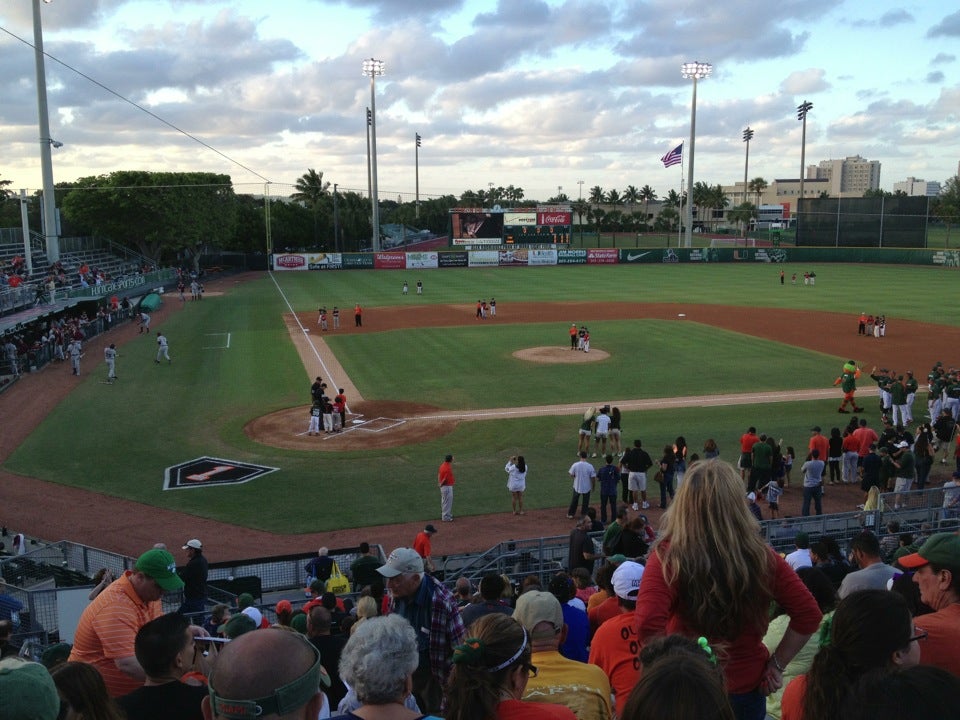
774,491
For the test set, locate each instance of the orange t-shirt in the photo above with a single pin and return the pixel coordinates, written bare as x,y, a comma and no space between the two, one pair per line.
107,630
615,649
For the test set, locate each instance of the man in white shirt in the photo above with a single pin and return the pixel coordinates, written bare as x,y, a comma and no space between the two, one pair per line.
584,478
873,573
603,429
801,556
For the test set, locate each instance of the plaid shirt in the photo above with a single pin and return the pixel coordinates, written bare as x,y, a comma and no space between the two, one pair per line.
445,625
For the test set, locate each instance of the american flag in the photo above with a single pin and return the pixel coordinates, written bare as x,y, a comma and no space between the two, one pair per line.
674,157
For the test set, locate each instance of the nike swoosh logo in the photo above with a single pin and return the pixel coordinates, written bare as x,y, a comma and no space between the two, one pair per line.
631,258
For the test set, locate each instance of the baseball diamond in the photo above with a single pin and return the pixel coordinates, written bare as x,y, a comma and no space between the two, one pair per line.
225,414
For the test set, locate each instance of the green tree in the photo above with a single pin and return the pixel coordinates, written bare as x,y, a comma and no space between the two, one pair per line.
946,206
742,214
701,198
667,219
9,206
614,198
647,194
718,200
631,196
757,186
596,195
165,215
312,191
673,199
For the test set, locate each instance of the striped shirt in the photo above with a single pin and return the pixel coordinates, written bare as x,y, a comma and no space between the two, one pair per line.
107,630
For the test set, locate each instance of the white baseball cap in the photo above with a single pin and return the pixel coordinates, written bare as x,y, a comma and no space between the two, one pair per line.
195,544
626,580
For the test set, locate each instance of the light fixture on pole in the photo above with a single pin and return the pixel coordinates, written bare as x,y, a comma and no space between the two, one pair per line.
49,206
417,170
802,110
580,183
373,68
697,71
747,137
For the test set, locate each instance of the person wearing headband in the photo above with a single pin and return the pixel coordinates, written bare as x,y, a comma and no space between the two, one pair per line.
267,673
490,673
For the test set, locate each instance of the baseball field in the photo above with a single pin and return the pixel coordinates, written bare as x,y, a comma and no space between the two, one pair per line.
702,351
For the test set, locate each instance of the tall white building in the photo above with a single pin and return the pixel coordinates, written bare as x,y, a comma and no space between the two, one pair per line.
917,188
850,177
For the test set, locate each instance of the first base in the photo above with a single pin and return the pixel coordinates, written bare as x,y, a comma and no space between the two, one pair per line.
681,314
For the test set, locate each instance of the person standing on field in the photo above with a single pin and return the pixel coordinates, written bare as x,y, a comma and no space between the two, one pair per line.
110,356
163,348
358,315
445,481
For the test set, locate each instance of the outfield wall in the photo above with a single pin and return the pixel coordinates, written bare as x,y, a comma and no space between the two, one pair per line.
520,257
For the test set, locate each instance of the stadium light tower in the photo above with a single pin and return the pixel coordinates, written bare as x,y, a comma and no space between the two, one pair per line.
373,68
747,137
802,111
696,71
49,208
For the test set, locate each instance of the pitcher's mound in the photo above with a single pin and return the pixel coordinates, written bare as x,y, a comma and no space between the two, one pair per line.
560,355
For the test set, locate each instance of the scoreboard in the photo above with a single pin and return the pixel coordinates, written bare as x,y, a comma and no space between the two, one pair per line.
544,225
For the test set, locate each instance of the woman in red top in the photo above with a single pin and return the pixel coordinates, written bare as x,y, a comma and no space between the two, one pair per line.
710,574
490,673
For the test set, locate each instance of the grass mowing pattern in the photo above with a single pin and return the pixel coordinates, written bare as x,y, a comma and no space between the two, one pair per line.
118,439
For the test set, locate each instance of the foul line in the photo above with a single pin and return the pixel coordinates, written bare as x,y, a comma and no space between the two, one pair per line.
306,333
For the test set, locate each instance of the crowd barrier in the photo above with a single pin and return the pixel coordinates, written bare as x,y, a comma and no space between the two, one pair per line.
37,578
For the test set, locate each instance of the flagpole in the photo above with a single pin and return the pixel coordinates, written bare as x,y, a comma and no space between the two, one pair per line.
683,159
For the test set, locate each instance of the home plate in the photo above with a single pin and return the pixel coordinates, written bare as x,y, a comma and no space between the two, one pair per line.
681,314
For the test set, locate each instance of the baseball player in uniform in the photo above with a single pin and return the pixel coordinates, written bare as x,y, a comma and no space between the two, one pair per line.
144,323
110,356
315,412
75,350
163,348
336,318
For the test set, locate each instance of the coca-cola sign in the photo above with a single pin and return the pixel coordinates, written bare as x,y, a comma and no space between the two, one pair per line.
553,218
290,261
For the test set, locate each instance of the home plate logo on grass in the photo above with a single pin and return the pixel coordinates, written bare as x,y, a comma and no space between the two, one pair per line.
209,471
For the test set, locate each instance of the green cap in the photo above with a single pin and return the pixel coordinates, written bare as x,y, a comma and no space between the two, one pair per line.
942,549
27,691
160,566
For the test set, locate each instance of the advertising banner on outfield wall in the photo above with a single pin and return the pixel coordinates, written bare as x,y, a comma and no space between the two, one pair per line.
357,261
519,218
484,258
390,260
512,257
542,257
571,257
289,261
455,258
324,261
418,260
601,256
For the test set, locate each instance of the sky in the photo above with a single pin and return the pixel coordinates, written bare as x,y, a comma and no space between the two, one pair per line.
539,94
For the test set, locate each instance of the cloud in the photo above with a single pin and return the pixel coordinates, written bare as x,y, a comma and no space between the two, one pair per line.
935,77
889,19
943,58
948,27
803,82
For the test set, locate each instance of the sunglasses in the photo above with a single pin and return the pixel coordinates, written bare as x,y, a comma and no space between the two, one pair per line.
921,635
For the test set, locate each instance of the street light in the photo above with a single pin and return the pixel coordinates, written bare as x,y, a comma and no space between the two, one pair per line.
417,171
49,207
697,71
580,183
747,137
802,111
372,68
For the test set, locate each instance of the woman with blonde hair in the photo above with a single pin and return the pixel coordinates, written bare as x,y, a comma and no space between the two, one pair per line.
710,574
366,609
490,673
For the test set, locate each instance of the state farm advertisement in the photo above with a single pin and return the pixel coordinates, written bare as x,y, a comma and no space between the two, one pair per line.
602,256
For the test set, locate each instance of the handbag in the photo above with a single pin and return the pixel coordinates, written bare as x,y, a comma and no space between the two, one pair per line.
338,583
659,476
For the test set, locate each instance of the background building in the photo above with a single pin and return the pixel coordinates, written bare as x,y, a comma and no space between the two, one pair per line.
850,177
914,187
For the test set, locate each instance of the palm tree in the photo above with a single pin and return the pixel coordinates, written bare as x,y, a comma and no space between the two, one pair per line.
614,198
718,200
742,214
757,186
596,195
673,199
647,194
581,208
631,196
311,190
667,219
701,198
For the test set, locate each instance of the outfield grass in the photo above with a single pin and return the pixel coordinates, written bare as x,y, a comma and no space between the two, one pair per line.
118,439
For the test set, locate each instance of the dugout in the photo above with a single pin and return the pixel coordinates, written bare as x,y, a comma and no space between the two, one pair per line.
896,222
